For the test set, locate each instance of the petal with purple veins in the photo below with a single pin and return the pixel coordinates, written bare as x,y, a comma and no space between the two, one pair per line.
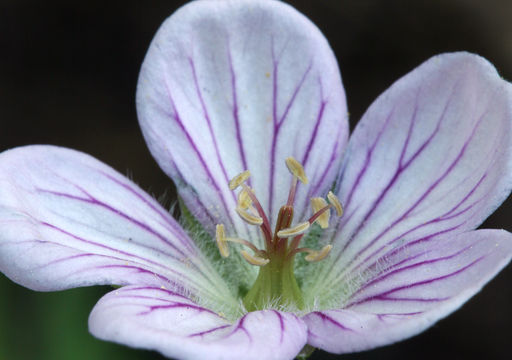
157,319
241,85
431,157
67,220
407,295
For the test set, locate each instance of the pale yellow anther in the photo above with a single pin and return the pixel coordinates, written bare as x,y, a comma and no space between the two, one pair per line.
296,169
318,204
314,256
239,179
254,259
294,231
250,218
333,199
221,240
244,200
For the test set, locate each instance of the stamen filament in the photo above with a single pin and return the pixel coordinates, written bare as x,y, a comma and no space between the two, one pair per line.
294,231
265,227
254,259
246,243
319,213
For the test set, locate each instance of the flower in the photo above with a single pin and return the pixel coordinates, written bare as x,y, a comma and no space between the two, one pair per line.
247,85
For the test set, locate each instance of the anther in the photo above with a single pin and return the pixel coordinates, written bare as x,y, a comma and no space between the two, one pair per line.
222,244
314,256
318,204
294,231
254,259
239,180
335,202
250,218
296,169
244,200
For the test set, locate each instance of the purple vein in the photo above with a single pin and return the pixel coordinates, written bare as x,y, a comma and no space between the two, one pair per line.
313,137
443,217
152,288
137,269
93,201
398,172
368,158
276,129
381,277
209,122
146,297
401,170
178,177
235,107
327,318
204,165
202,333
276,120
175,305
281,325
383,295
425,194
207,118
103,246
240,327
294,95
395,251
172,226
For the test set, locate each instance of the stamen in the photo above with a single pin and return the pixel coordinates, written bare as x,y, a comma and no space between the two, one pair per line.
318,204
315,256
296,169
239,180
244,200
333,199
294,231
222,244
250,218
254,259
246,243
265,227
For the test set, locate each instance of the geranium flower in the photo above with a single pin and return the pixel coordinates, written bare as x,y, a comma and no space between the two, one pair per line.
242,105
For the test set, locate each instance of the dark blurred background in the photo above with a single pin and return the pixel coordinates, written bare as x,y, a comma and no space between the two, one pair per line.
68,71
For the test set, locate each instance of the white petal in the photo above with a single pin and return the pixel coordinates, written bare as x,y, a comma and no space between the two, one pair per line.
67,220
411,294
157,319
228,86
431,157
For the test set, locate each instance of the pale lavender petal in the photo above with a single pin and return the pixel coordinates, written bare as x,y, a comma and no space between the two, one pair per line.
405,297
233,85
68,220
431,157
157,319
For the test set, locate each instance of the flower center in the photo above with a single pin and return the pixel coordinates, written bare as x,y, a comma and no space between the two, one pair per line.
276,285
